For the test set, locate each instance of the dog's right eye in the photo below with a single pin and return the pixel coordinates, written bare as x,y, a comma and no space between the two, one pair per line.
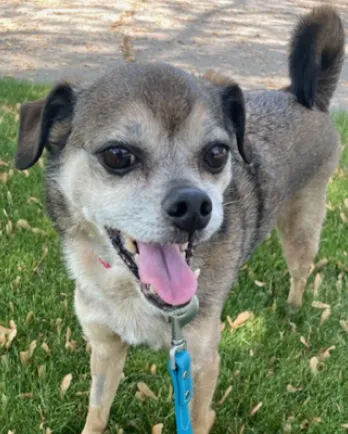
118,159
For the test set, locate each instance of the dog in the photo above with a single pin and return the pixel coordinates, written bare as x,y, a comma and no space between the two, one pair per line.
161,185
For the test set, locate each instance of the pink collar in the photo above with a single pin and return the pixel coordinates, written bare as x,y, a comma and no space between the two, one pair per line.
106,264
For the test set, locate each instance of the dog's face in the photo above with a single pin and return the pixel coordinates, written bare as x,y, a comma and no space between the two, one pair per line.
144,157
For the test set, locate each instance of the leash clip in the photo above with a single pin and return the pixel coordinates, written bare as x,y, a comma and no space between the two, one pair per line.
178,321
180,367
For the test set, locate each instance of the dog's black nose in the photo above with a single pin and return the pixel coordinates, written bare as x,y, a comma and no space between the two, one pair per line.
188,208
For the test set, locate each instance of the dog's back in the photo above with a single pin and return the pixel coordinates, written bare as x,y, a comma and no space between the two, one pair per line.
293,124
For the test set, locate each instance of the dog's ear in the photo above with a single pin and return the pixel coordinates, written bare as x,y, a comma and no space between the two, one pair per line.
45,122
234,112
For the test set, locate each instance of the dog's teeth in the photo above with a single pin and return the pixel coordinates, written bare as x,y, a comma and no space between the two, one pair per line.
136,258
183,247
197,272
152,290
129,245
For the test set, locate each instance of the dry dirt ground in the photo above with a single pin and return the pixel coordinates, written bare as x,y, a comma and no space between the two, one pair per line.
46,40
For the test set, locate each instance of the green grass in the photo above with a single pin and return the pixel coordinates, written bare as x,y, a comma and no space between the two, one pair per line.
259,360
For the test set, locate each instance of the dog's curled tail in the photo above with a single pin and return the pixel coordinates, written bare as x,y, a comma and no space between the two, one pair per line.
316,57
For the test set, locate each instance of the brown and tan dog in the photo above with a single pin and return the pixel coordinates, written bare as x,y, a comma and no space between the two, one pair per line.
162,184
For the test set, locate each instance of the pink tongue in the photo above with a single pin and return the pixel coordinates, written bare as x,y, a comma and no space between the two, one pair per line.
166,270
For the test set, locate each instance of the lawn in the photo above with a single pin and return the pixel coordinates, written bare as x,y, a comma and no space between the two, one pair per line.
285,374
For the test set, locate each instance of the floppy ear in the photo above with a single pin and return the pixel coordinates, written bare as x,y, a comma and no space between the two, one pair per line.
45,122
234,112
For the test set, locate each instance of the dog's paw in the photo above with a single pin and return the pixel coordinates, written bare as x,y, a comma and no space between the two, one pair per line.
293,305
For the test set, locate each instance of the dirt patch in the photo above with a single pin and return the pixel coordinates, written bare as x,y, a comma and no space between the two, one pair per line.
46,40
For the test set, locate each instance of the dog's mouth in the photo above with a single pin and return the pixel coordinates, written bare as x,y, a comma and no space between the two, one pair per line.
166,279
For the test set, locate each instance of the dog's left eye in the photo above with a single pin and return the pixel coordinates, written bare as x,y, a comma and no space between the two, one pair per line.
118,159
216,157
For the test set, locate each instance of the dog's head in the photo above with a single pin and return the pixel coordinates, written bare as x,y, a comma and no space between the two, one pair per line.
144,156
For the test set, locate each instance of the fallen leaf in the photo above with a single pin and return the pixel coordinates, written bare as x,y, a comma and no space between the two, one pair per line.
293,327
339,284
30,316
4,330
48,431
291,389
346,203
145,391
223,326
65,384
66,307
259,283
242,429
139,395
317,283
157,429
256,409
4,177
15,282
344,325
38,231
320,305
10,338
313,364
170,393
324,316
69,344
225,395
304,342
229,320
304,424
343,217
153,369
9,227
34,199
59,324
45,347
27,395
23,224
321,263
344,425
241,319
41,371
327,353
25,356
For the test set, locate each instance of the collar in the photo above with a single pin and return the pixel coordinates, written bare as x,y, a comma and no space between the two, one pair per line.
106,264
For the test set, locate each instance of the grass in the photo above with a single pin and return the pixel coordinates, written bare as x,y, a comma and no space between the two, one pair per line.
264,361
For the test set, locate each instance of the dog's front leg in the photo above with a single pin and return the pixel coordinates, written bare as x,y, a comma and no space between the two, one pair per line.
107,362
206,368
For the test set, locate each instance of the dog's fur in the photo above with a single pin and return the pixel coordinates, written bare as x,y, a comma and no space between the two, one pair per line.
283,150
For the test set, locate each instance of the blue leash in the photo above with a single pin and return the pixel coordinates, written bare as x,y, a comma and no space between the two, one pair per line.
179,367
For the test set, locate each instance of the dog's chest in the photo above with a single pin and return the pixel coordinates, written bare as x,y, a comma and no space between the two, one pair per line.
108,297
130,318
